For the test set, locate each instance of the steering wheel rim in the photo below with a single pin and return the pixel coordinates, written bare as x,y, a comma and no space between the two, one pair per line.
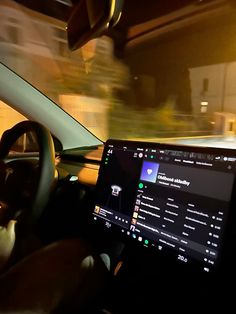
47,171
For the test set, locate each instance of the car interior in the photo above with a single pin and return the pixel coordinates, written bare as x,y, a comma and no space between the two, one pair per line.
122,224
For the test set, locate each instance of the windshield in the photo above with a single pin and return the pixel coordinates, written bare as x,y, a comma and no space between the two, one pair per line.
173,84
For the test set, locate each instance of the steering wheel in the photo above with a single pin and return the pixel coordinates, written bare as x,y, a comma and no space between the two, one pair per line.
26,184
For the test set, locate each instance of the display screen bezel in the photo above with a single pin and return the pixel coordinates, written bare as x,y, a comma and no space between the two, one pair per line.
116,231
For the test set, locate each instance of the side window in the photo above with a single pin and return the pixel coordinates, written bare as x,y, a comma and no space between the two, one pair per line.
8,118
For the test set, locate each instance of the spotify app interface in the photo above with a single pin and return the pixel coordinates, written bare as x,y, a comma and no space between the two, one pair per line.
175,201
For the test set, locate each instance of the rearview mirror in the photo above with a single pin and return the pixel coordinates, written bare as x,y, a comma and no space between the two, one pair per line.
90,19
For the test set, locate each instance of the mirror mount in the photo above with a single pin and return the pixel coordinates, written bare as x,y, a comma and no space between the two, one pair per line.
90,19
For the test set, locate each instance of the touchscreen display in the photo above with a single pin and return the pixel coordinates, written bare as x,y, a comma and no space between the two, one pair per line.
173,199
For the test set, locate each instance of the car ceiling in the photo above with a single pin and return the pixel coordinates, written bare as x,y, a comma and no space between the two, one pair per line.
134,13
144,10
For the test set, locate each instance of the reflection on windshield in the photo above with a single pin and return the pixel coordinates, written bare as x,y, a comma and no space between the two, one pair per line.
177,86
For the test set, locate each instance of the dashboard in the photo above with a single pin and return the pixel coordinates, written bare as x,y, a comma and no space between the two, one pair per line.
175,200
163,213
